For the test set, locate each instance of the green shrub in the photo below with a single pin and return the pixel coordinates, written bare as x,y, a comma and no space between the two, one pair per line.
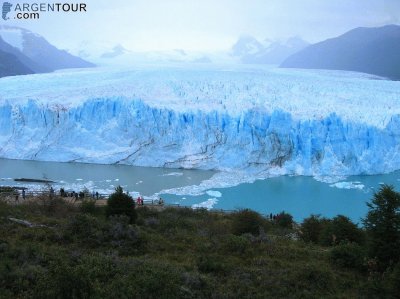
85,229
210,264
348,255
392,282
54,206
235,244
315,276
121,203
246,221
122,235
312,227
88,206
284,220
341,229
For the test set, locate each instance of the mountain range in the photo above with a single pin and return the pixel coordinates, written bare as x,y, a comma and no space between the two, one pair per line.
368,50
24,52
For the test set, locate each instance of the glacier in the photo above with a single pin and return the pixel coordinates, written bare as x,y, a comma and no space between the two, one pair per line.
255,120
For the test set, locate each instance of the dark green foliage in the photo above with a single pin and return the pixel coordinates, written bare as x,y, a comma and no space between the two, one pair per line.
341,229
171,253
392,282
383,226
84,229
6,189
236,244
312,227
320,277
54,206
121,203
64,281
284,220
349,255
211,264
88,206
246,221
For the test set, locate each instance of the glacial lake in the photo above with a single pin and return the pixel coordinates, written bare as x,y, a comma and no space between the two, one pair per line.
298,195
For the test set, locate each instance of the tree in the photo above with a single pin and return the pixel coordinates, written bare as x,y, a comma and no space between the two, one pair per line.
383,226
246,221
284,220
312,227
341,229
120,203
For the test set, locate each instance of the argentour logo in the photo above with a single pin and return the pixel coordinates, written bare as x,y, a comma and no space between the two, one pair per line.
6,8
22,10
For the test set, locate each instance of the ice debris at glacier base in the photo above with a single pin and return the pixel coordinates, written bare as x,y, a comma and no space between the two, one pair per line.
259,121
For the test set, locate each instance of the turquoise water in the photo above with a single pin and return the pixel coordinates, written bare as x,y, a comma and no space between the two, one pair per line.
96,177
299,196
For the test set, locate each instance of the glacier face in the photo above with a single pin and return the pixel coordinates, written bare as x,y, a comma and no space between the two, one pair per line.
250,119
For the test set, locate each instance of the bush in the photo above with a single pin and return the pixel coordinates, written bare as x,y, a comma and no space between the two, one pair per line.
341,229
392,282
85,229
317,276
312,227
246,221
235,244
210,264
284,220
120,234
88,206
348,255
120,203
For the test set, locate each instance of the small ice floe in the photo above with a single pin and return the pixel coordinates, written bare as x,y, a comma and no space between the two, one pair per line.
214,193
108,181
79,179
183,197
208,204
117,180
348,185
173,174
137,183
329,179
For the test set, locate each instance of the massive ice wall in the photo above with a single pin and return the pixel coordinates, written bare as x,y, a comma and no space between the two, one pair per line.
122,129
131,132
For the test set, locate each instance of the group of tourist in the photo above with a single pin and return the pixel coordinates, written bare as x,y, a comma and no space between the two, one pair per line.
82,195
77,195
140,201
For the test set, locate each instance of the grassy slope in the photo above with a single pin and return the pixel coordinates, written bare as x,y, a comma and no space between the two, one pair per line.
175,253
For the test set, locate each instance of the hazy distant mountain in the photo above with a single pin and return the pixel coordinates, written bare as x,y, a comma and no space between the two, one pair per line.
42,55
278,51
246,46
369,50
250,50
10,65
118,50
105,53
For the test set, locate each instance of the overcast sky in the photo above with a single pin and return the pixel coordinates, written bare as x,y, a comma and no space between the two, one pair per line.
207,24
